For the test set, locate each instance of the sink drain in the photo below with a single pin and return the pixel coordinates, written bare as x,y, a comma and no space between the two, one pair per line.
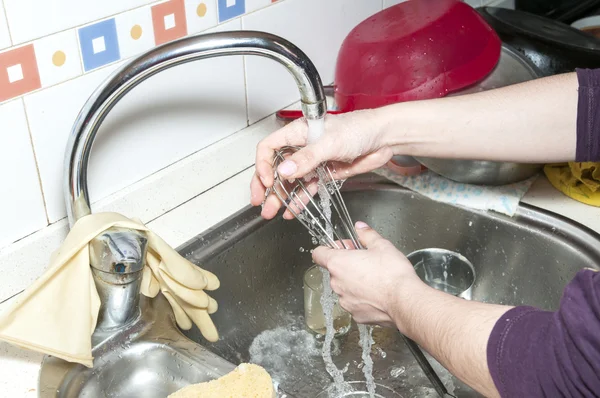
359,390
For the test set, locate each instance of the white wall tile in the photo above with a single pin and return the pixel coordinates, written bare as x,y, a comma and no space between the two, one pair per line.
204,211
173,114
270,87
253,5
148,199
200,15
4,35
58,57
135,31
21,205
31,19
52,113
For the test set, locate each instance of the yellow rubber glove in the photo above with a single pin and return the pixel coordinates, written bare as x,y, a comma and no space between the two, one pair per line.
57,314
183,284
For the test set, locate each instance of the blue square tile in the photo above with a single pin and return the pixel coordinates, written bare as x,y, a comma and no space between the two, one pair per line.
231,8
99,44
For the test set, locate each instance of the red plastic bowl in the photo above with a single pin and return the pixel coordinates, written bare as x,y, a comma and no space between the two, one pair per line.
419,49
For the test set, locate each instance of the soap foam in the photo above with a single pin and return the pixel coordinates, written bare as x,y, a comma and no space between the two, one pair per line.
280,349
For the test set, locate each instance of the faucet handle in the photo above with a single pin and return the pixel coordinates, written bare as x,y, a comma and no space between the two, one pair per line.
117,258
119,252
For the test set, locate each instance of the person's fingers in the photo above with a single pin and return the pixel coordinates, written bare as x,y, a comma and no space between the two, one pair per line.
288,215
336,287
257,191
361,165
322,255
306,159
302,199
293,134
367,236
345,244
299,197
271,207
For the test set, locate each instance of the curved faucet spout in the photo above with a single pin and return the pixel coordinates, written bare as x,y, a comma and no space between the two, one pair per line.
163,57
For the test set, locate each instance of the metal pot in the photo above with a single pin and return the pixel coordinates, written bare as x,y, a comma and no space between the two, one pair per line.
512,68
552,46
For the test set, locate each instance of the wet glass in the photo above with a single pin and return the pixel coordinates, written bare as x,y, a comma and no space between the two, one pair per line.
313,311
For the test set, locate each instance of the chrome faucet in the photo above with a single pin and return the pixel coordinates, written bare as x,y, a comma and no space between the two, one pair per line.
117,256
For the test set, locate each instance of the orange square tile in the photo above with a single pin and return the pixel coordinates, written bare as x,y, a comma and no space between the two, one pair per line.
18,72
169,22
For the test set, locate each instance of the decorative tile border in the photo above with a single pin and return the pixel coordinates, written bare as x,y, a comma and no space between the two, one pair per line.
99,44
135,31
65,55
200,15
58,57
18,72
169,21
229,9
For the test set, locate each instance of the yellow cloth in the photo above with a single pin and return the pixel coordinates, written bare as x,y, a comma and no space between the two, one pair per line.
578,180
57,314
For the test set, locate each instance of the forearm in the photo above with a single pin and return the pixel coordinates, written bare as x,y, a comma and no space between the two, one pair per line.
453,330
529,122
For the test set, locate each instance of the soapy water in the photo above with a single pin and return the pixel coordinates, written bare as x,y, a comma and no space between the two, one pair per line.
279,349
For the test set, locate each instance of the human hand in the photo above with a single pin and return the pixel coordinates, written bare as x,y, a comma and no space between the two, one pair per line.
368,281
352,142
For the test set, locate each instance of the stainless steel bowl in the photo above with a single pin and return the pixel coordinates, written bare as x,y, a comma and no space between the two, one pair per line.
512,68
444,270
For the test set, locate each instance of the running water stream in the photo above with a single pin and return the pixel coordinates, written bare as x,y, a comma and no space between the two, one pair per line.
328,300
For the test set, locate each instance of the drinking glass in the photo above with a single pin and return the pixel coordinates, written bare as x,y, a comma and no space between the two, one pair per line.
313,311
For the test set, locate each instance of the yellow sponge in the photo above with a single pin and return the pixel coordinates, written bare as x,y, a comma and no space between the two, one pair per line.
247,381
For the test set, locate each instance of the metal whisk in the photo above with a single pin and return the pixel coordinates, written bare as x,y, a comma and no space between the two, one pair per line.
298,197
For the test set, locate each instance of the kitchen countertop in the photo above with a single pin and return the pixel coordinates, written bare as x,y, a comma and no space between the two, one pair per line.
19,369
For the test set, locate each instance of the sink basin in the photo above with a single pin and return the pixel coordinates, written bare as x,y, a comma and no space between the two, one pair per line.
149,359
526,259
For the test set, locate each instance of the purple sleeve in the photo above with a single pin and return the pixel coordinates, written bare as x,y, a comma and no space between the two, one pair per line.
535,353
588,116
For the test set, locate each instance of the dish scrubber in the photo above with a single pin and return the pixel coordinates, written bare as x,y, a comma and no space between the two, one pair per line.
247,381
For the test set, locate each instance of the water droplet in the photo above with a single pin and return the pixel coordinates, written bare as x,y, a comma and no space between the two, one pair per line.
397,371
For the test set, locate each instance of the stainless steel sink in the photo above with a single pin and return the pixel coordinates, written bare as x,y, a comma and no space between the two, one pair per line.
526,259
150,359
